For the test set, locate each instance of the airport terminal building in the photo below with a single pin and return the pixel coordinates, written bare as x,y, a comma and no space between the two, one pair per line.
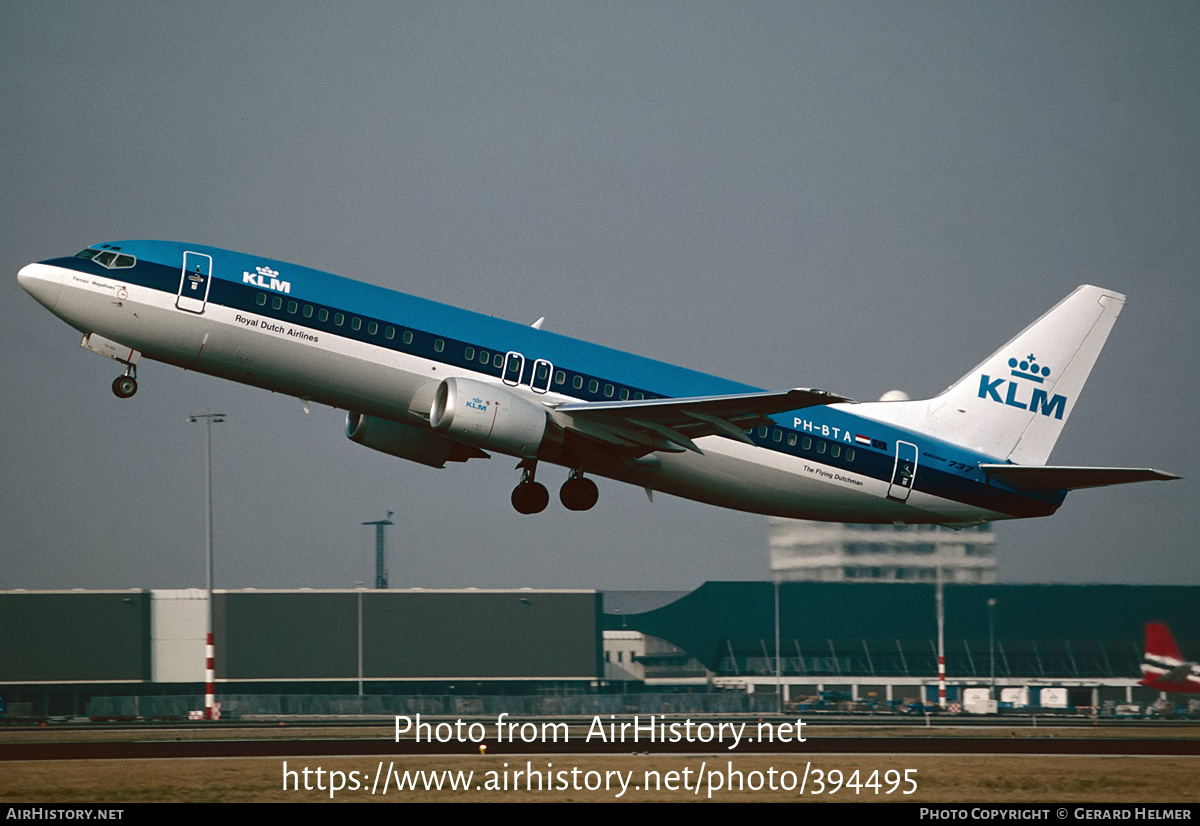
873,645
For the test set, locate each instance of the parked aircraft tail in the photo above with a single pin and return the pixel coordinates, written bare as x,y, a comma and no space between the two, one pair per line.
1163,666
1159,641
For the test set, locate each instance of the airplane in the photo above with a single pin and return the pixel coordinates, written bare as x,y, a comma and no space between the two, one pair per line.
1163,667
435,384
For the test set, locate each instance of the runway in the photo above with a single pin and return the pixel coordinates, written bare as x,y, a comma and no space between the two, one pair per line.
98,743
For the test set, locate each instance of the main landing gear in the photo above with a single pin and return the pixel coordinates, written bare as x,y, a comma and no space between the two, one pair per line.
529,496
577,493
125,386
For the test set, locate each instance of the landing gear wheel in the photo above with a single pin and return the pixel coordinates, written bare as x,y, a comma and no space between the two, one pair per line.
124,386
530,497
578,494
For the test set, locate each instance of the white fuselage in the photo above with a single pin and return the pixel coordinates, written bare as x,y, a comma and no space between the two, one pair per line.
286,356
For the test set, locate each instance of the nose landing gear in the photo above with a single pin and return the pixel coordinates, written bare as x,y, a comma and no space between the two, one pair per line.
125,386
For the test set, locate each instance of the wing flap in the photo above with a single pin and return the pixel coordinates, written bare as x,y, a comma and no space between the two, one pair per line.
1051,478
671,424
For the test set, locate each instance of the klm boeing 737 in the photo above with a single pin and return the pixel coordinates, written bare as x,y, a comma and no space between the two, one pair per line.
435,384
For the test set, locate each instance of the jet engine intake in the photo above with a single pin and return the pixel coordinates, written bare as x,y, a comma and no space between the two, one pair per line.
488,416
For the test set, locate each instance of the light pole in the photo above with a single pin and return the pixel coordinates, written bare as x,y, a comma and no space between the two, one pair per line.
209,674
991,604
380,568
778,666
939,598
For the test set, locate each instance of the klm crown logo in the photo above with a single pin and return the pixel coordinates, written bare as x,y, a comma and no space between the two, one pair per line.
1029,370
266,278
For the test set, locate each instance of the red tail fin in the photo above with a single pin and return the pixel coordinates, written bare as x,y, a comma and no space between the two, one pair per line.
1159,641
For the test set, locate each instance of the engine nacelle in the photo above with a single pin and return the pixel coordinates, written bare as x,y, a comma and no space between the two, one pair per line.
489,416
406,441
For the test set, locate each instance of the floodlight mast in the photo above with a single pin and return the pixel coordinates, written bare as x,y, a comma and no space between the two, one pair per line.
210,700
380,570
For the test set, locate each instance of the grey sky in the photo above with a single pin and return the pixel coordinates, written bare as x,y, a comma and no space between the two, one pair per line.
854,196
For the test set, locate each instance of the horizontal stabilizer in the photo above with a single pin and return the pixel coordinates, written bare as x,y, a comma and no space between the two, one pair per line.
1174,675
1033,479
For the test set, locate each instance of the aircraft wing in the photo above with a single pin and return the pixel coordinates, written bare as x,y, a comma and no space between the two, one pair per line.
673,424
1047,479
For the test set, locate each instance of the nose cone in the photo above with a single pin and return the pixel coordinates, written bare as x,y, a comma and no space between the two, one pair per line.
41,282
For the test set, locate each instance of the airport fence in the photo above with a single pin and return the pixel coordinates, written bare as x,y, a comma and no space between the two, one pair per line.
309,705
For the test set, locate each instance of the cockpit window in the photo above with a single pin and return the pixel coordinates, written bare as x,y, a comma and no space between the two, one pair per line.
108,258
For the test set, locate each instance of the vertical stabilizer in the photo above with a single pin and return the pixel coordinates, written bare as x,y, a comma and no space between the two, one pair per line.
1014,404
1160,643
1163,666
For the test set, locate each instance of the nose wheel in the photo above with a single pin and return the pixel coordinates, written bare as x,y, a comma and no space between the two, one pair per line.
125,386
578,493
529,496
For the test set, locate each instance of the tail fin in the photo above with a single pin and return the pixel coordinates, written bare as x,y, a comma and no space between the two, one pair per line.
1014,404
1163,667
1159,641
